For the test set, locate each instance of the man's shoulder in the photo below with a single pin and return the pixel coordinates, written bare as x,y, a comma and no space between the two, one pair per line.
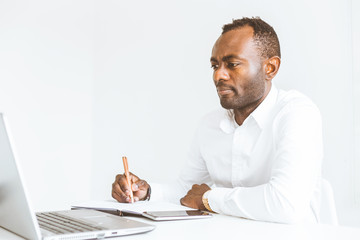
294,98
295,102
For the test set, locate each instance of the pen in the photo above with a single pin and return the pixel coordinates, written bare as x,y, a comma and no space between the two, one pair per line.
127,175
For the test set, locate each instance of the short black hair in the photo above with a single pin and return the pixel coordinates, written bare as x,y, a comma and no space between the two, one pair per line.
264,37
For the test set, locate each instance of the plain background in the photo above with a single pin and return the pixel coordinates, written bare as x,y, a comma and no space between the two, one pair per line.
83,83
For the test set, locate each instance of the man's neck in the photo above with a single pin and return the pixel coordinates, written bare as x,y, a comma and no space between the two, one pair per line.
240,114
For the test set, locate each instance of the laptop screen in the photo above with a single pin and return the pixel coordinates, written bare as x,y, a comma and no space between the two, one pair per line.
15,211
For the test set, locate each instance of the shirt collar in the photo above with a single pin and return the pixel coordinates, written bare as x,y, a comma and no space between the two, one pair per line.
228,123
260,114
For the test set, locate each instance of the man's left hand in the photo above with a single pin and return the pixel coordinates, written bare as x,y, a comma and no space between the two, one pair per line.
193,198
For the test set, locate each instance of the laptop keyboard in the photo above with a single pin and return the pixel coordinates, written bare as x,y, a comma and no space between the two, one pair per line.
60,224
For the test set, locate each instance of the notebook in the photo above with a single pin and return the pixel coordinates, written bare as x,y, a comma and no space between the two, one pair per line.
154,210
17,216
136,208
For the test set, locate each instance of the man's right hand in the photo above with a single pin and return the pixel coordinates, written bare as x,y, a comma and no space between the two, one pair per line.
121,189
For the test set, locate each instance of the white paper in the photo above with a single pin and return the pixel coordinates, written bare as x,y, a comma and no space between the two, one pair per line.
137,207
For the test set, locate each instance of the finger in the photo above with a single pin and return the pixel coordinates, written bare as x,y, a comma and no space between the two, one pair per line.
133,180
195,186
140,189
133,177
182,202
123,183
118,194
185,202
140,185
122,188
191,191
204,186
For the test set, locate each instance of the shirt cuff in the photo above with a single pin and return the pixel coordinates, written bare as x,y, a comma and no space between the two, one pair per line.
216,198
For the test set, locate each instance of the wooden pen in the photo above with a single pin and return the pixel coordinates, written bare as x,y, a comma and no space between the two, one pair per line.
127,175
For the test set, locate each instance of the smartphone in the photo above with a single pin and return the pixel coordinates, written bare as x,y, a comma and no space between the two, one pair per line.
176,215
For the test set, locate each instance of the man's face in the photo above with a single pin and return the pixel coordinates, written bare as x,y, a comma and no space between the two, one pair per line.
239,74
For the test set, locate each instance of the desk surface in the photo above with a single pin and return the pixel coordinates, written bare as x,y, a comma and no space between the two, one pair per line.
220,226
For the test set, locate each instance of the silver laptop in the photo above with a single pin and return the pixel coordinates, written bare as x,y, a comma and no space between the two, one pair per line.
17,216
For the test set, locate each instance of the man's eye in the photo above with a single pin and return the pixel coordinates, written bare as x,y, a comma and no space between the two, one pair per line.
232,65
214,66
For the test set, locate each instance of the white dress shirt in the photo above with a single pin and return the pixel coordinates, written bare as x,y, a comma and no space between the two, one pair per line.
267,169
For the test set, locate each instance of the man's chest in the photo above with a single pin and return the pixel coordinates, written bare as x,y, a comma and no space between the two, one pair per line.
242,158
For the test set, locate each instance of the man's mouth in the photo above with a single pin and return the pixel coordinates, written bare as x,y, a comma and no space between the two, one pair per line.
224,91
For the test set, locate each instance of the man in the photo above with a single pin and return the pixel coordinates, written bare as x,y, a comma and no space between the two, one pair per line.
260,158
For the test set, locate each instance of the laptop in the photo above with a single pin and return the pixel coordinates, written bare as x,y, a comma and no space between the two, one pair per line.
16,214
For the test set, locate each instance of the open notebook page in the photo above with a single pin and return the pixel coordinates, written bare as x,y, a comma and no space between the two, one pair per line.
137,207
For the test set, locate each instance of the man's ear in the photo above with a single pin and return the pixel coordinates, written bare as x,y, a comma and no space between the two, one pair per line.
272,66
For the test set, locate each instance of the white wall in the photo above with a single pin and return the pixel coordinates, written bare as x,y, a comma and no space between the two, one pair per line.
46,82
133,78
354,209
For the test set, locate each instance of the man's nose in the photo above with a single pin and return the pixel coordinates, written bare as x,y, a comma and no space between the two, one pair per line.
221,74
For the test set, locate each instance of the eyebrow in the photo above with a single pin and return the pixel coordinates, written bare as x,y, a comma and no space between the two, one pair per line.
226,58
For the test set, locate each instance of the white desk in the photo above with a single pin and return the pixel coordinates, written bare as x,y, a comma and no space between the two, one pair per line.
226,227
